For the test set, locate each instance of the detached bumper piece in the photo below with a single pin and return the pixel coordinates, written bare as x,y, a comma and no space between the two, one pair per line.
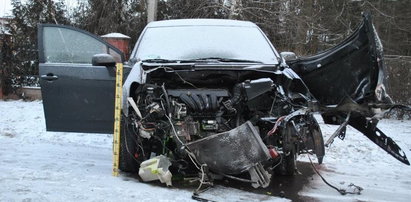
233,152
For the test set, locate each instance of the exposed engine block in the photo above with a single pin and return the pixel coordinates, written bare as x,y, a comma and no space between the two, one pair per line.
200,100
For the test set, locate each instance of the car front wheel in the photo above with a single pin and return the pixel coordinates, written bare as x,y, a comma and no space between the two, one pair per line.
128,147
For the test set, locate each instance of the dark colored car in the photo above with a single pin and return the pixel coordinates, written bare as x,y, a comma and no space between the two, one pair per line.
213,97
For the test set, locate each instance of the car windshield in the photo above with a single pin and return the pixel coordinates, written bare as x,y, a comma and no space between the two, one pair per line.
202,42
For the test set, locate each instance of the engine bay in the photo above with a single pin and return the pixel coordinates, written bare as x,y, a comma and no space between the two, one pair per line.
247,123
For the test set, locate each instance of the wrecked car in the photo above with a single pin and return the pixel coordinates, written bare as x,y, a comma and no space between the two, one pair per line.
211,98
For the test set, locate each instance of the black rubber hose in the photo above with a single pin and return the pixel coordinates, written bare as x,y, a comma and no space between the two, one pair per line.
236,94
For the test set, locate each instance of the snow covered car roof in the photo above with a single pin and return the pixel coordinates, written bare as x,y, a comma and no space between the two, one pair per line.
201,22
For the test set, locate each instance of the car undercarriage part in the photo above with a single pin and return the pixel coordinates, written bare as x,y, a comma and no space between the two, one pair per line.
156,169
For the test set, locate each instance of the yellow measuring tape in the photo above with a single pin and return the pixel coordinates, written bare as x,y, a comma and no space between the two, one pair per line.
117,118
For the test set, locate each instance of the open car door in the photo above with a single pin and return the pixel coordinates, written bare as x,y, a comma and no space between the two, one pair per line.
77,96
348,82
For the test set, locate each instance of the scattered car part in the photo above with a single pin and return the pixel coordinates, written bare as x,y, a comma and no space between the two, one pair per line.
156,168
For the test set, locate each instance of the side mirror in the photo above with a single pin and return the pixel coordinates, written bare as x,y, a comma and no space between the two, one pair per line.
288,56
103,60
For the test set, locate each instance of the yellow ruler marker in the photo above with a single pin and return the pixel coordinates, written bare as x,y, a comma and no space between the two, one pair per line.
117,117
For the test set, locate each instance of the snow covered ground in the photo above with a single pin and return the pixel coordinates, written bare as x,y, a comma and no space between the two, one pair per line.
36,165
359,161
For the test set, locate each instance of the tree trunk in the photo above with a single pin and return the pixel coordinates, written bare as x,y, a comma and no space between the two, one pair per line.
235,9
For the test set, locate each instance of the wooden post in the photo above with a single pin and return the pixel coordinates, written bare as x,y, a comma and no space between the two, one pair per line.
151,10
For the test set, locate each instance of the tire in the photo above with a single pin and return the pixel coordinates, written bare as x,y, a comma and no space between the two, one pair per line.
128,146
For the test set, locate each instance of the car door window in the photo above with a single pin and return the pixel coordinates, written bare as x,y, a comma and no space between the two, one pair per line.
67,45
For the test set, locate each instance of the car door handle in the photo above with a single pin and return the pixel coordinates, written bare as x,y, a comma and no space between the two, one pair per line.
49,77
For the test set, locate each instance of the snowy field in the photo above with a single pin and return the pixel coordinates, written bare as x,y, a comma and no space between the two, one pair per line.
36,165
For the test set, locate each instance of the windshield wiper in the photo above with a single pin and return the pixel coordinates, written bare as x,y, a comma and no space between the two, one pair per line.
218,59
159,60
228,60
